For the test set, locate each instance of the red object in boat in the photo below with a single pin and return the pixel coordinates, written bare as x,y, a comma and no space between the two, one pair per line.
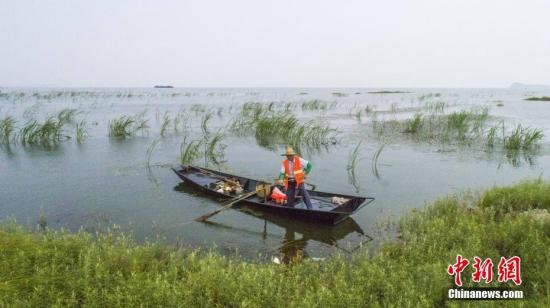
278,196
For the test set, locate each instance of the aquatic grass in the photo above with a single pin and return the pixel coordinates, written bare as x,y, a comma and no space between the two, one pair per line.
353,159
46,133
435,107
277,129
57,268
180,121
375,159
81,131
492,135
67,116
7,130
542,98
214,149
189,151
149,152
460,126
523,138
316,104
413,126
165,123
127,126
204,122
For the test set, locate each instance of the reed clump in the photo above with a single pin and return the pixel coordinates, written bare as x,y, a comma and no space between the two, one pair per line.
189,151
318,105
48,132
81,131
273,129
7,130
58,268
523,138
127,126
542,98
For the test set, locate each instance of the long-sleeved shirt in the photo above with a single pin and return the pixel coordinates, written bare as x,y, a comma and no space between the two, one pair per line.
306,166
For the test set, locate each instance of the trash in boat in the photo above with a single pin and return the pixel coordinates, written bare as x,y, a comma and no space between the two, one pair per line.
339,200
229,186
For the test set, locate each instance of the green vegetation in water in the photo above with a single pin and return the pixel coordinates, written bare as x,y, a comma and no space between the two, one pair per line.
67,116
375,159
149,153
316,104
57,268
47,133
127,126
523,138
542,98
165,123
436,107
204,122
413,126
353,159
273,129
7,130
81,131
388,92
189,151
214,149
464,128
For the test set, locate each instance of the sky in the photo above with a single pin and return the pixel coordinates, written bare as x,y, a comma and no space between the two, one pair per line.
297,43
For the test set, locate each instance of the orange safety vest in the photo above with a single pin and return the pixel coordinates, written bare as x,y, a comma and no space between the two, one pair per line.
298,172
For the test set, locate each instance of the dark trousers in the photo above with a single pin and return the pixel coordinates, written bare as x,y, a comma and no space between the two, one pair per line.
291,194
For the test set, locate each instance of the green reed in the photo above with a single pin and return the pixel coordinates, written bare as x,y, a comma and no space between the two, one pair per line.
275,129
46,133
413,126
126,126
204,122
523,138
316,104
165,123
375,159
7,130
214,149
189,151
81,131
542,98
149,153
353,158
67,116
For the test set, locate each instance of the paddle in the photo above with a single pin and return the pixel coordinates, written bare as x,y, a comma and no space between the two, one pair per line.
203,218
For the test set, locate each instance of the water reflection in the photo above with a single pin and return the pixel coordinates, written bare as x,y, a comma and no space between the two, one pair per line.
298,234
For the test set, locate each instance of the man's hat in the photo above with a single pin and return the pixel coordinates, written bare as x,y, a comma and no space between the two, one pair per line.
289,151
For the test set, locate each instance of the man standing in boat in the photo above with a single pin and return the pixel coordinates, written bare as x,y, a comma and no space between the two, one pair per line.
293,173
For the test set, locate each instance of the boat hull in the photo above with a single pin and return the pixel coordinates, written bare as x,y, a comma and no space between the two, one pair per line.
201,179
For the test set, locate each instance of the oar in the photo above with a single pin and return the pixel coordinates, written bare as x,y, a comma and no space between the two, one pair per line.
203,218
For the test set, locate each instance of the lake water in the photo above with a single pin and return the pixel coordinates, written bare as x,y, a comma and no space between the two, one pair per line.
104,181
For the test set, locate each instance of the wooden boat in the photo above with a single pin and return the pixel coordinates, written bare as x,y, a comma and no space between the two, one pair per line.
323,211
